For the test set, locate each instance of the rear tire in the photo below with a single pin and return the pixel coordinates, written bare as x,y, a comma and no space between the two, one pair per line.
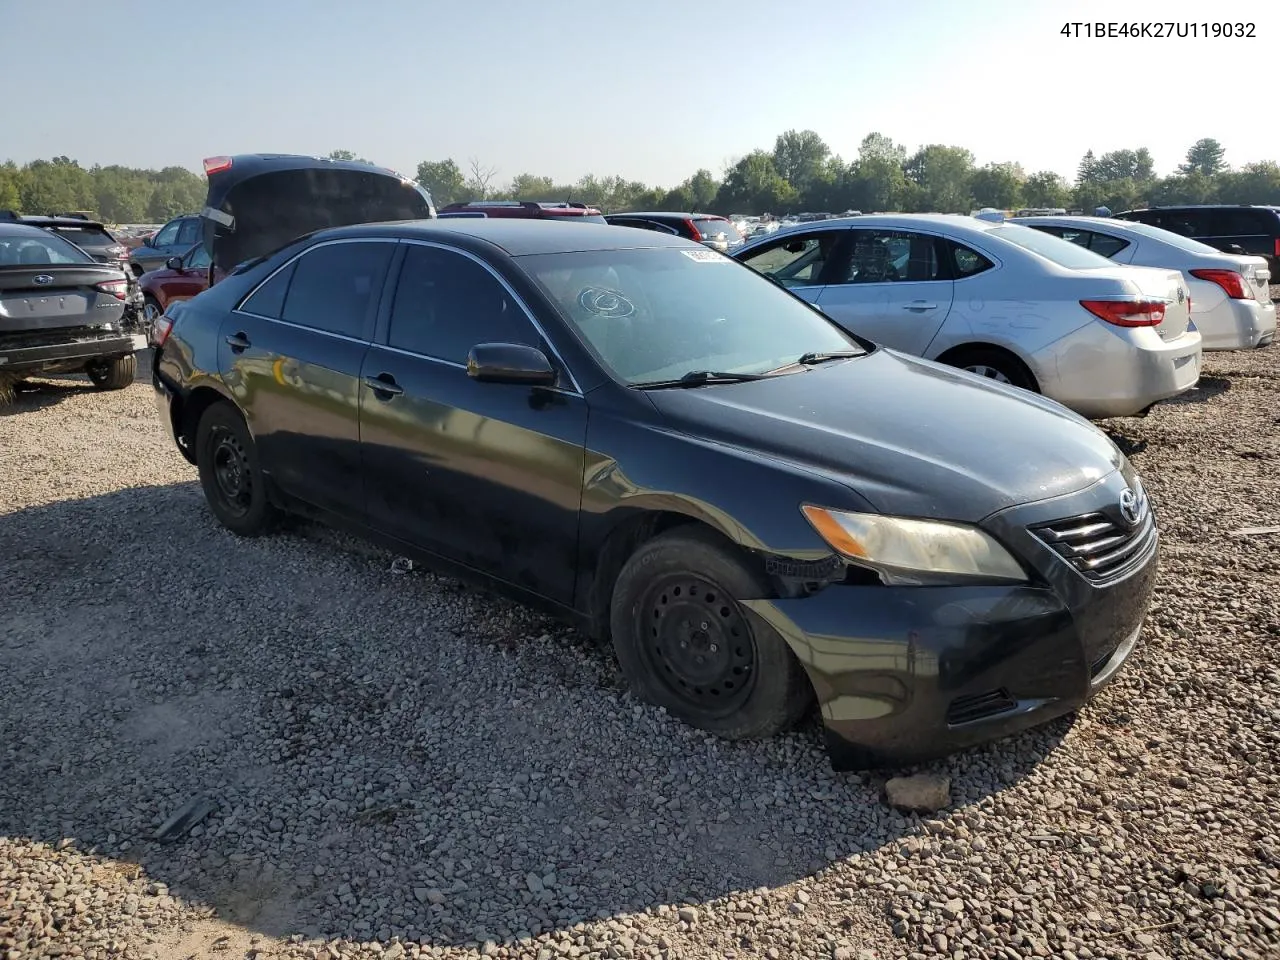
227,460
998,365
113,374
685,643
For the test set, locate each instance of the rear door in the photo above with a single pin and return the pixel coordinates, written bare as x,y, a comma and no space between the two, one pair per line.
801,262
890,287
292,353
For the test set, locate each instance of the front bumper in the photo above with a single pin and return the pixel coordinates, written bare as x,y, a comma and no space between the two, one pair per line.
908,674
28,355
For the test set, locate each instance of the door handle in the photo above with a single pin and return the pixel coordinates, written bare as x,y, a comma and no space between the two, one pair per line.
384,386
238,342
920,305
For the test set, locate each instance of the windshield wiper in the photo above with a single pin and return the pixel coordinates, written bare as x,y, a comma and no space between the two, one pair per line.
699,378
809,359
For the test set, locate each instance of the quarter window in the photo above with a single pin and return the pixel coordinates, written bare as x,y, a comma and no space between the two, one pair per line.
1106,245
335,286
967,263
446,303
188,232
168,234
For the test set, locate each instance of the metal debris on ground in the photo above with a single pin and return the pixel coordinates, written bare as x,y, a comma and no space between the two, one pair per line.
401,565
186,817
1254,531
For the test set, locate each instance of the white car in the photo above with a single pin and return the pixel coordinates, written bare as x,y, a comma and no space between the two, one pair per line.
1230,294
1000,300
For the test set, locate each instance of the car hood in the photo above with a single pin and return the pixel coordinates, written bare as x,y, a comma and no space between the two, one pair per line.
911,437
254,209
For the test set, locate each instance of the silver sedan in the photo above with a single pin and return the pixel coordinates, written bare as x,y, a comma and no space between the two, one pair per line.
1230,294
1001,300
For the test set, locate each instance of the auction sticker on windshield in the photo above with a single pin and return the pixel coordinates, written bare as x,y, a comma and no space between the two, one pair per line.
706,256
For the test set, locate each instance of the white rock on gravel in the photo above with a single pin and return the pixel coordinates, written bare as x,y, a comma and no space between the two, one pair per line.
374,739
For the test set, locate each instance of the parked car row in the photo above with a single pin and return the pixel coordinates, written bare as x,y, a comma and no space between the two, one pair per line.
701,459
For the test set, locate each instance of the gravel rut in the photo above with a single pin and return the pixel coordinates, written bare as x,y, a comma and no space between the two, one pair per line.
404,766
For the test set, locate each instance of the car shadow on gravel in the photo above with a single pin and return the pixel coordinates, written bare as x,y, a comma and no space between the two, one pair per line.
391,754
32,395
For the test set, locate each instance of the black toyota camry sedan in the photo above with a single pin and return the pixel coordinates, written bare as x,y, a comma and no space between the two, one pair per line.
757,509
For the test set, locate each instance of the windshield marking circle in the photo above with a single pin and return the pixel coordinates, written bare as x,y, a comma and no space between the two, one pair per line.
603,302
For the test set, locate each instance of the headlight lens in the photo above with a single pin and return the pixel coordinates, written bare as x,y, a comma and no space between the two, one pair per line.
906,551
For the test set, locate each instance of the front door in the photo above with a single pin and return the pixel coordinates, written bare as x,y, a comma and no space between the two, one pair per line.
888,286
292,355
800,263
486,474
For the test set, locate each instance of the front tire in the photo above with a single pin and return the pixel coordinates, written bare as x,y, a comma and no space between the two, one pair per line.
227,460
113,374
685,642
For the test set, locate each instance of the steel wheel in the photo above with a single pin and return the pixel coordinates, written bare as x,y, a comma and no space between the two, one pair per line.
699,645
231,473
151,311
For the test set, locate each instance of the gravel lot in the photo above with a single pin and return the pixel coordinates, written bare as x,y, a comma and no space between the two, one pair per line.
406,767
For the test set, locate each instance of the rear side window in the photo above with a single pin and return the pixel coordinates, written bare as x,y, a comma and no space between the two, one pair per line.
446,303
966,262
268,300
335,286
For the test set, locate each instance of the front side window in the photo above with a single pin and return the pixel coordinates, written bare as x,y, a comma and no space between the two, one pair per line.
168,234
889,256
335,286
656,314
188,232
446,303
795,262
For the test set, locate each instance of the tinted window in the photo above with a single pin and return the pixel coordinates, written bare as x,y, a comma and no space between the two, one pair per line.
268,299
795,261
966,262
335,286
1242,223
82,237
168,234
446,303
1176,240
189,232
1054,249
656,314
887,256
1106,245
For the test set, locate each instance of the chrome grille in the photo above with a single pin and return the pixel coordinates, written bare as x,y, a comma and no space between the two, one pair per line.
1099,547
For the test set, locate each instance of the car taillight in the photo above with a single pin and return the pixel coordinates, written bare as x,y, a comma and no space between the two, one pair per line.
1230,281
1277,247
117,288
1127,313
694,232
214,165
160,328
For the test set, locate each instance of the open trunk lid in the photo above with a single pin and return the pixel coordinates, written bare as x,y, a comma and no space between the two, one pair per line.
258,203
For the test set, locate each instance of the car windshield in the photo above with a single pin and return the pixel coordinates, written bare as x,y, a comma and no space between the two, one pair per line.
39,248
656,314
712,228
1170,238
1054,249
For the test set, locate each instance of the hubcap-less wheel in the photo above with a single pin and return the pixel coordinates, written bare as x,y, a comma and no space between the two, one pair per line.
231,471
699,645
150,312
991,373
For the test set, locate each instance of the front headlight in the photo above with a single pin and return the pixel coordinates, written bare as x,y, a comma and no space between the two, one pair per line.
908,551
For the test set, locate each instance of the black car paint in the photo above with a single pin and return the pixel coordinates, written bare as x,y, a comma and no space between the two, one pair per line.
541,493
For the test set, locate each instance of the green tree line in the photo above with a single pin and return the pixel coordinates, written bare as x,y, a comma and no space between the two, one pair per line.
800,173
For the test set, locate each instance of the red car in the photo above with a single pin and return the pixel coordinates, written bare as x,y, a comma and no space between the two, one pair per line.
181,278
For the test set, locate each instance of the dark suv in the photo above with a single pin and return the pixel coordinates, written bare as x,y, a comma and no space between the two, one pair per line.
716,232
1232,228
523,210
172,240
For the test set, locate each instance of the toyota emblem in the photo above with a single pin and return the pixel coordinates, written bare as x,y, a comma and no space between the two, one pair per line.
43,280
1130,507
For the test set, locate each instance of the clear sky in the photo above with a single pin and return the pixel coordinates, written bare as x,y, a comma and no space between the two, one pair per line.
650,91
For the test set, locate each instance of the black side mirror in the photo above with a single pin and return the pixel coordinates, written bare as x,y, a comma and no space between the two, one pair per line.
174,263
510,363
